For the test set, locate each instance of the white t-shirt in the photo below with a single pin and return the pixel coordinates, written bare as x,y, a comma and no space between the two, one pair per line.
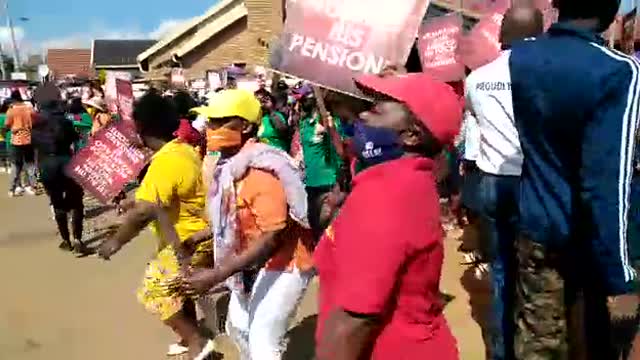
488,95
470,134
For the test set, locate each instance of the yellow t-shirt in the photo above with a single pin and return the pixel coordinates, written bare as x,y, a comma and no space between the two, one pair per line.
175,177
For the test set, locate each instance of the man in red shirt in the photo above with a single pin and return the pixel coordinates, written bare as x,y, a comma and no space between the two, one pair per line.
380,261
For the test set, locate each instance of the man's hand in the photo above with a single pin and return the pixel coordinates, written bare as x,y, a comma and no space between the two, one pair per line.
200,281
108,248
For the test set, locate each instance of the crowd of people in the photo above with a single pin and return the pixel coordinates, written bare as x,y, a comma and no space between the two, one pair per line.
254,194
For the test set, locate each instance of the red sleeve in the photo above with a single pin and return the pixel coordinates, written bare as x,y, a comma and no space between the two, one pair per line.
370,251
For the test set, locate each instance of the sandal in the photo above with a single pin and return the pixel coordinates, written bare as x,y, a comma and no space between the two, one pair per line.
65,246
207,350
80,248
177,349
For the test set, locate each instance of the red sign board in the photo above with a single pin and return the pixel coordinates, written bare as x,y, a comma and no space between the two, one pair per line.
332,41
482,45
438,41
109,161
124,91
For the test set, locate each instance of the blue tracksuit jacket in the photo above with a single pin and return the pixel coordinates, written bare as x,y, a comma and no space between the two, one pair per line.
576,110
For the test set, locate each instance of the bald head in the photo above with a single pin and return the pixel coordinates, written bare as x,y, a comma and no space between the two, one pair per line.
521,22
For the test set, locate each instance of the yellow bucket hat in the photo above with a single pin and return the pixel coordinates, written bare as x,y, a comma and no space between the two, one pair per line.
232,102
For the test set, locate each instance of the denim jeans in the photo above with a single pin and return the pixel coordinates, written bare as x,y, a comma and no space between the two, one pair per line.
499,214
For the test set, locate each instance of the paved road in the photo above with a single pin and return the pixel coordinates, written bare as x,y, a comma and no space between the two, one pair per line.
55,306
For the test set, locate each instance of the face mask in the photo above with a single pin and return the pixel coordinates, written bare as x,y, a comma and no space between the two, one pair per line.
223,138
374,145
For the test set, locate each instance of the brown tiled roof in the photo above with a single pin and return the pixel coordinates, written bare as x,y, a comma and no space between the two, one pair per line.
69,62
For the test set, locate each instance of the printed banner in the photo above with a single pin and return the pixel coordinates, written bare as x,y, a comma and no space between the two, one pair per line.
482,45
110,91
124,90
332,41
109,161
437,42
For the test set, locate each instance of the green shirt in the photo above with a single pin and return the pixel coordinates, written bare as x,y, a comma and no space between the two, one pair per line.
269,134
6,137
83,128
321,160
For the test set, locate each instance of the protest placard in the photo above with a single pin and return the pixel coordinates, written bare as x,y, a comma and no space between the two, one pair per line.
177,78
109,161
110,90
329,42
124,91
437,41
482,45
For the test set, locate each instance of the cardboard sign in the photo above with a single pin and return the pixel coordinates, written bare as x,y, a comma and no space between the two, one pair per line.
330,42
109,161
110,91
437,41
177,78
124,91
482,45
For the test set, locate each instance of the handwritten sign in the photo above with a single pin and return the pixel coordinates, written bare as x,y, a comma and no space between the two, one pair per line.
124,90
438,41
108,162
482,45
330,42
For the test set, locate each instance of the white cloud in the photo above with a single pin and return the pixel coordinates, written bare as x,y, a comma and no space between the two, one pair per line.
83,40
166,27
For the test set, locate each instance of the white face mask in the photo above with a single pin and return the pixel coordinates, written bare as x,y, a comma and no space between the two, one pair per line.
200,124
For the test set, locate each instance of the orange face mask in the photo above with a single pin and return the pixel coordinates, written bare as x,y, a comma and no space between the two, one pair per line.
223,138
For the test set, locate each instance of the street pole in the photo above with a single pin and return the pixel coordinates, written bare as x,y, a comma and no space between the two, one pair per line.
16,54
2,68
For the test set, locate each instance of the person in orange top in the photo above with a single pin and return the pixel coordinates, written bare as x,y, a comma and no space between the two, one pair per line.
19,122
258,218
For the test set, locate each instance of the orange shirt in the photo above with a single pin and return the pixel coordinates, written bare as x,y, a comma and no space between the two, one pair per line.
20,121
262,207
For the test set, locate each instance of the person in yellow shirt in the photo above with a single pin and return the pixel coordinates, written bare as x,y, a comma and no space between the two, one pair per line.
174,182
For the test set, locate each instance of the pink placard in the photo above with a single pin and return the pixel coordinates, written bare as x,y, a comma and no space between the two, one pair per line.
332,41
438,41
482,45
109,161
124,91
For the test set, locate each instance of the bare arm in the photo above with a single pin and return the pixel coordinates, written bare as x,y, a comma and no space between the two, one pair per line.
346,336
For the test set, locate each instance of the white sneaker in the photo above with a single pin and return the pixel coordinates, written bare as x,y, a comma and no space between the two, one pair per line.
30,191
177,349
18,191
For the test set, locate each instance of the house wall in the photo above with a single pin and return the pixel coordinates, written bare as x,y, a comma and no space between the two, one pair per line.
242,42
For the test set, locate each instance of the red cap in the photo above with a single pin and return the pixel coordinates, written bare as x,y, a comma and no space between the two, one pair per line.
433,102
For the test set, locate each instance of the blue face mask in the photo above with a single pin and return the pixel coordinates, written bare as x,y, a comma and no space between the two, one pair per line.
374,145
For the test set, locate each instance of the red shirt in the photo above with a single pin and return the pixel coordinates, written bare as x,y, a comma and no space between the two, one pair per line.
383,256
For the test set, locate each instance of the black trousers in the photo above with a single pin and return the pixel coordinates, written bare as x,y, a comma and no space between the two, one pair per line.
64,194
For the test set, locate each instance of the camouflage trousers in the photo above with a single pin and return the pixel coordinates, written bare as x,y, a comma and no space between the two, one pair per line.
560,311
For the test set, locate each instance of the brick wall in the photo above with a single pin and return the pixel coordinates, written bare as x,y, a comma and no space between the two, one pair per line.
242,42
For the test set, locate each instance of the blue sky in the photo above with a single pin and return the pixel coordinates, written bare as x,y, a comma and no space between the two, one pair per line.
73,23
